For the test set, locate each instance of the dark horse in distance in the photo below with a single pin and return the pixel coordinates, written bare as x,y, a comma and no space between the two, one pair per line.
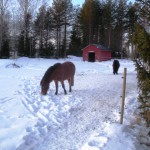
58,72
116,66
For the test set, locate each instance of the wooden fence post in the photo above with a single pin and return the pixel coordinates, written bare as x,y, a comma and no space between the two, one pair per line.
123,95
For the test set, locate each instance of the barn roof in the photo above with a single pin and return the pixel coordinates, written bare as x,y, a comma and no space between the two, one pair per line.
101,47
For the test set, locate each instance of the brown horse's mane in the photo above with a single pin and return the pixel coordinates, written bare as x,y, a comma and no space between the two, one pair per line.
49,71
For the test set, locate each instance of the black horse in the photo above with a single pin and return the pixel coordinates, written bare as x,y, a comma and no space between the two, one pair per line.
116,66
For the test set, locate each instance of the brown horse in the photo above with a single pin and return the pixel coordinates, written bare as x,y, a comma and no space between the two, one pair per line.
58,72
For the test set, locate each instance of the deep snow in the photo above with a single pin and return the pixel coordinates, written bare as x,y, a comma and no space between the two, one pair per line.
85,119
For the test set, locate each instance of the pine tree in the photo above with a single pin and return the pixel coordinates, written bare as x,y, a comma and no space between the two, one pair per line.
89,18
62,11
5,49
68,15
21,50
24,47
48,27
5,42
108,20
58,12
131,21
120,25
39,25
75,44
75,37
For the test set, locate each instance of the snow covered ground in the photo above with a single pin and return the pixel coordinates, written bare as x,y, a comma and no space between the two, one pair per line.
88,118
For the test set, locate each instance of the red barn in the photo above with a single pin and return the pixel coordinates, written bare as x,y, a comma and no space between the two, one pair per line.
96,52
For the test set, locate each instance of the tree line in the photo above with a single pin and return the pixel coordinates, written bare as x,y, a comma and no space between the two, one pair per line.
41,29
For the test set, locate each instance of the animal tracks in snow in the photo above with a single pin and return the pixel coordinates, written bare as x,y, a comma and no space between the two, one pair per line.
50,110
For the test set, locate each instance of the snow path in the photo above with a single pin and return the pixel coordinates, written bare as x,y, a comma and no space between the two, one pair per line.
87,110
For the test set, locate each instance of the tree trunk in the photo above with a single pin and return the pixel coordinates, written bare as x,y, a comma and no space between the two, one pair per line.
65,38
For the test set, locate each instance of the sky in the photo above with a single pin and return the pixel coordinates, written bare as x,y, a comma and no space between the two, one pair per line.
80,2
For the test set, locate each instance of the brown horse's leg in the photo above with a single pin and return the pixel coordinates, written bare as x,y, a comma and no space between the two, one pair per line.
56,85
63,86
70,82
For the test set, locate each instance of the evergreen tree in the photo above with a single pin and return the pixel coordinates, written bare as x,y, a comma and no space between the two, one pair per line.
90,17
75,38
131,21
120,25
144,9
58,18
67,17
62,16
21,50
24,49
108,20
5,42
5,49
4,28
75,44
142,40
49,26
39,25
43,26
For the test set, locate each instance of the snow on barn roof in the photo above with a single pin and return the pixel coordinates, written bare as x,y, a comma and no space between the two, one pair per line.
101,47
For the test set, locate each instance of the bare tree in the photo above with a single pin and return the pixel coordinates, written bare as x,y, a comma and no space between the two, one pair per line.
27,9
14,26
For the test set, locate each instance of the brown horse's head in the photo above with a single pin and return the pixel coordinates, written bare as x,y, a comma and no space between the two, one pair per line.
47,78
44,88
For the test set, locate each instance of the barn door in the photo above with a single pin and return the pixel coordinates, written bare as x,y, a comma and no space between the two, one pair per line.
91,57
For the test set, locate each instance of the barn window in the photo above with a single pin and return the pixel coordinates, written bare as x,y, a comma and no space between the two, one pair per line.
91,57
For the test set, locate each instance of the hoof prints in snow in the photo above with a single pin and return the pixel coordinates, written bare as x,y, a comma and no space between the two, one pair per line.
51,111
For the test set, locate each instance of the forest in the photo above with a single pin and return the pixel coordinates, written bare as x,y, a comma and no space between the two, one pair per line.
55,29
43,29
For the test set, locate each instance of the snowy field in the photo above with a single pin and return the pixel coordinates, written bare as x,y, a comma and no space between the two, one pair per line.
88,118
